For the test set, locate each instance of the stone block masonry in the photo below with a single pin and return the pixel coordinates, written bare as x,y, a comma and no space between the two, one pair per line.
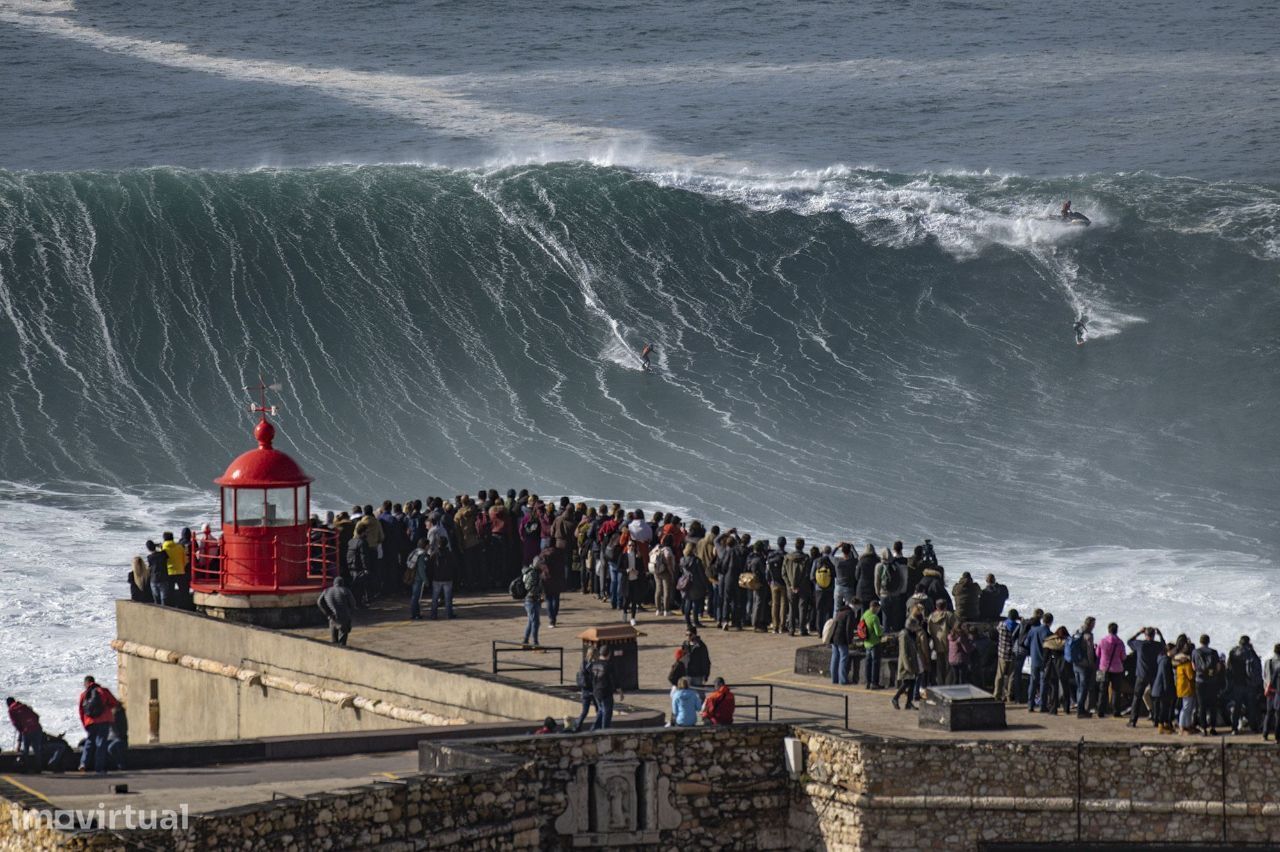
728,788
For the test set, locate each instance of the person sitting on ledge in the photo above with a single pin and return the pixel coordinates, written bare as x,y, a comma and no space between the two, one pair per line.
718,708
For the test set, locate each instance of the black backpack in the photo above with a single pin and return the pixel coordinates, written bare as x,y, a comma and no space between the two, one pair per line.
613,549
93,704
517,589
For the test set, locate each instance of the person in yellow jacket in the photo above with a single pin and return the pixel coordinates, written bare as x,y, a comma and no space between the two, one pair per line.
1184,679
177,559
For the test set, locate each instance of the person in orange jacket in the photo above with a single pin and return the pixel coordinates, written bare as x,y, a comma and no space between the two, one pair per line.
718,708
97,711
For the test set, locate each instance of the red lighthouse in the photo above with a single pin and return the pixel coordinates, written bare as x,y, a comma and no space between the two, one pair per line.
269,563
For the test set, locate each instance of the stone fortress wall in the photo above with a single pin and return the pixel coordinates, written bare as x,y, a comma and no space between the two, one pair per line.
729,788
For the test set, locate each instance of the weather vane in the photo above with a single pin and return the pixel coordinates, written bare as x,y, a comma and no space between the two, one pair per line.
262,387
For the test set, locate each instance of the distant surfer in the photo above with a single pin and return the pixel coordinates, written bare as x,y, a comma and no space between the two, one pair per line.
644,356
1080,326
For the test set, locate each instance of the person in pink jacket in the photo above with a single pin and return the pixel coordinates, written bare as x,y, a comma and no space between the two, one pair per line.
1111,653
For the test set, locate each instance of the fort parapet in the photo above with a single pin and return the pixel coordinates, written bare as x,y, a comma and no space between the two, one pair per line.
730,788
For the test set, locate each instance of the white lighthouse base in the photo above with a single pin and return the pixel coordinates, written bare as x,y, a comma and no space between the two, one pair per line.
286,609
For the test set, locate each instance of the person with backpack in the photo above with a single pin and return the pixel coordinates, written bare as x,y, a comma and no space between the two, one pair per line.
1207,664
870,632
97,711
845,565
30,735
443,563
1082,656
692,586
823,573
795,579
842,635
420,572
1035,645
530,581
891,586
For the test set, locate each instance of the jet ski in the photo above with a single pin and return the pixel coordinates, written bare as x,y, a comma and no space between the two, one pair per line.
1074,218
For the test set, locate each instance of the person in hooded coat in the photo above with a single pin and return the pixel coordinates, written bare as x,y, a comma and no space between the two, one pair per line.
966,594
913,654
865,575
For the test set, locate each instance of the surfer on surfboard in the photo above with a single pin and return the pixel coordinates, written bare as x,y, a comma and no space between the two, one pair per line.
644,356
1079,328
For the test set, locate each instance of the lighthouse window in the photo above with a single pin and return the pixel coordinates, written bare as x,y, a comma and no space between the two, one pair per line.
280,509
249,504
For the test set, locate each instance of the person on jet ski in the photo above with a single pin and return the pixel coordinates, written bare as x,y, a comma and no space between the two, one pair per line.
1079,327
1066,209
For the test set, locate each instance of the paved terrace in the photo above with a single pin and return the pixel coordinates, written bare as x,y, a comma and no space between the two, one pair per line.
748,661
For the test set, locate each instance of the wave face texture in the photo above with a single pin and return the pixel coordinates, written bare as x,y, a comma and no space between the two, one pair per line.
837,352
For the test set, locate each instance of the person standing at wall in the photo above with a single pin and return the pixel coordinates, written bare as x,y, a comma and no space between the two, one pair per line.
97,711
1111,655
842,634
871,633
1084,663
1005,656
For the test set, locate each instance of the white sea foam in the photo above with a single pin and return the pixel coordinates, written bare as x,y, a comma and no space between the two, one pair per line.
65,551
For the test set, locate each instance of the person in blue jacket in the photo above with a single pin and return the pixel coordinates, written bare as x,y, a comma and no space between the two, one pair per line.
685,704
1035,644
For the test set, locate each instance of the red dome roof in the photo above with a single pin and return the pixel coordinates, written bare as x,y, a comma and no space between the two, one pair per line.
264,467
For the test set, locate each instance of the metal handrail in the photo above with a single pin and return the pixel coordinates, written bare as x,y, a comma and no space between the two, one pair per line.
806,712
209,569
520,665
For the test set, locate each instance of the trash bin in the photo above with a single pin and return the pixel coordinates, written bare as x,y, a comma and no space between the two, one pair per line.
620,639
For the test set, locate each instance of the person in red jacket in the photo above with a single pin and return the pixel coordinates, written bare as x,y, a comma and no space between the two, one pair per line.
718,708
96,706
30,734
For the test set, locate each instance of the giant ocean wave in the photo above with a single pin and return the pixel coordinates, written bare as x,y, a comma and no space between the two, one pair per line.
847,348
841,353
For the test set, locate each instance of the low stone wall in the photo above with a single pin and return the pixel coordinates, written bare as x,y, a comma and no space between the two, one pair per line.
873,794
727,788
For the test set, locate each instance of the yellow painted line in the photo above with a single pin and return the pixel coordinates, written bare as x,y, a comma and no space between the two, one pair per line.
24,788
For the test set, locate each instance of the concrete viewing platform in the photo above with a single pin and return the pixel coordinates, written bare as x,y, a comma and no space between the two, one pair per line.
750,662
